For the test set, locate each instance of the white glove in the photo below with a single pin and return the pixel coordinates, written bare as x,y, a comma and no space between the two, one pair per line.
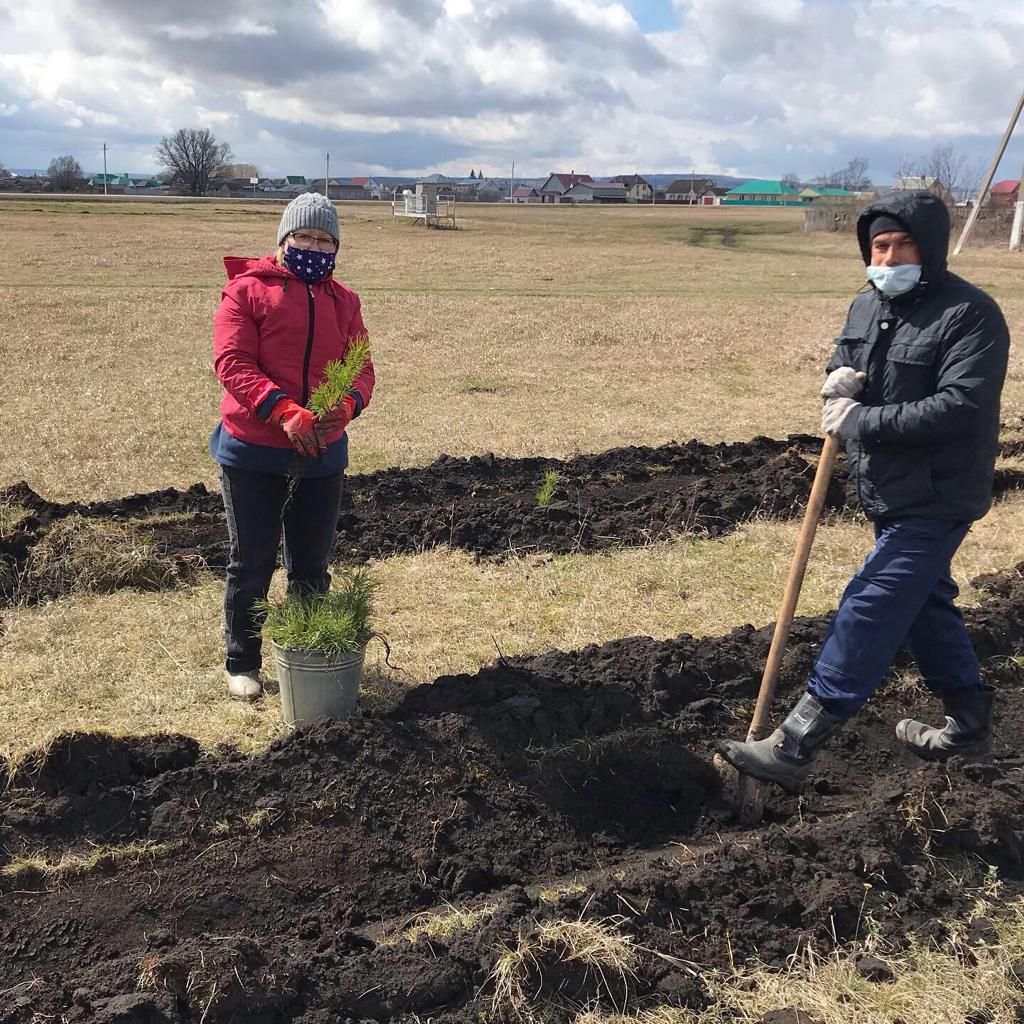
841,417
846,382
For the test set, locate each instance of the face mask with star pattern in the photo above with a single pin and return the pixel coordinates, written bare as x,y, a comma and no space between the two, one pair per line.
309,265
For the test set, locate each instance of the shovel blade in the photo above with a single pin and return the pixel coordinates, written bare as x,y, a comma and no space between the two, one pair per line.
744,794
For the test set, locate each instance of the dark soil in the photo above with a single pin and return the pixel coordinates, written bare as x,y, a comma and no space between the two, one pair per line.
273,879
485,505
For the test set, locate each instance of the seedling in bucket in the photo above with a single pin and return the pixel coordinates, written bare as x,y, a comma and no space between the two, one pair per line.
320,641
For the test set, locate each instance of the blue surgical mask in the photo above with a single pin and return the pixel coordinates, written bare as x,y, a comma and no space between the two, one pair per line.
309,265
893,281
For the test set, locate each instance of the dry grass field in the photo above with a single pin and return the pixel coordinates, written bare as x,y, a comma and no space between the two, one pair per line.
529,331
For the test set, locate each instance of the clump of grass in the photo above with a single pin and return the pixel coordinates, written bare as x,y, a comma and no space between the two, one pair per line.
443,927
596,951
11,515
80,554
552,478
103,858
339,376
333,624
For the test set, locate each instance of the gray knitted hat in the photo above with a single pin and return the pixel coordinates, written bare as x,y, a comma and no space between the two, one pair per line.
309,210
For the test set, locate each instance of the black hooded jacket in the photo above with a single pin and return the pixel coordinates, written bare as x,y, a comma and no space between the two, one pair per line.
935,360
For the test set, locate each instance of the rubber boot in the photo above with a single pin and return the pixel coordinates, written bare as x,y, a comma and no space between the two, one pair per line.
967,732
244,685
786,756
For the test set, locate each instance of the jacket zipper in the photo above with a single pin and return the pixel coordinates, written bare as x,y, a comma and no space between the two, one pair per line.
309,348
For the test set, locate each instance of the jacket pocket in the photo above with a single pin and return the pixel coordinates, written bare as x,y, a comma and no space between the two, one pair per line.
912,355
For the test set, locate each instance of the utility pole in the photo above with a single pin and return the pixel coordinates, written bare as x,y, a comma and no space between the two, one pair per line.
1018,217
327,178
512,182
104,168
976,209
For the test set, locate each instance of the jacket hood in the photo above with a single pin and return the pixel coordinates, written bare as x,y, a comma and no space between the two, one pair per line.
257,266
926,218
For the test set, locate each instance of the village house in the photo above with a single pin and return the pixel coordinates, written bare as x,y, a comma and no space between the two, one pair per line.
690,190
558,184
526,194
763,193
1005,193
638,190
595,192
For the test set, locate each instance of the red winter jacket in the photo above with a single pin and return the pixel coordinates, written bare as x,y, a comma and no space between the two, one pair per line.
272,337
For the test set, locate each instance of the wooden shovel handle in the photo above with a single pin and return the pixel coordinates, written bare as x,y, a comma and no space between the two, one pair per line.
819,489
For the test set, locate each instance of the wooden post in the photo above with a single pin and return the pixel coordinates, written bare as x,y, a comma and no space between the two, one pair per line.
988,177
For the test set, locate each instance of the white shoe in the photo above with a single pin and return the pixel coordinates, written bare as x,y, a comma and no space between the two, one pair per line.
244,685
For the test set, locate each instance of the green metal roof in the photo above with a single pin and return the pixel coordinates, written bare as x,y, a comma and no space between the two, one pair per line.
763,188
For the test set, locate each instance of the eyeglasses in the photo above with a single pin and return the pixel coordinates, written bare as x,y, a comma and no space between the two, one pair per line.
304,241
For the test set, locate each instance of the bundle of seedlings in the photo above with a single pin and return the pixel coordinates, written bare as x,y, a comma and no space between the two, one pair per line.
320,642
339,378
334,624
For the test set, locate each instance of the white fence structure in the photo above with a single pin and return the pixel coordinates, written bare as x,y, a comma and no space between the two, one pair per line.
425,205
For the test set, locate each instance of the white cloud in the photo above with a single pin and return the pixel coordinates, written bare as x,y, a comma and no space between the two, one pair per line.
762,87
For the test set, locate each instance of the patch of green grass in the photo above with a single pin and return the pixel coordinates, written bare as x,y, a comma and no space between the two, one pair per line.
474,386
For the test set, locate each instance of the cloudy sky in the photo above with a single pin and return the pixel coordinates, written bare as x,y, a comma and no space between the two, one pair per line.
746,87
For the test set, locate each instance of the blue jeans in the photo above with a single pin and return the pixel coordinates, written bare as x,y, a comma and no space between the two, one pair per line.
254,504
902,596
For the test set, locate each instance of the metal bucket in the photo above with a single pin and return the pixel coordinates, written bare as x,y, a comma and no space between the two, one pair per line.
314,686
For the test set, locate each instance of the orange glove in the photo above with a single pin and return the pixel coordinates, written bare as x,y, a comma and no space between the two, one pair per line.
301,427
332,424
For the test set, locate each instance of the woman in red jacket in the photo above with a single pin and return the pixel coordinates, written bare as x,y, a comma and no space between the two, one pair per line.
281,320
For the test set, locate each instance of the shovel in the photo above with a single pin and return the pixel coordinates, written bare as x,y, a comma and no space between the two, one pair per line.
749,801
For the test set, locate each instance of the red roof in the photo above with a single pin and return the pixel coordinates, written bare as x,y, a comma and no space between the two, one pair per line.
1010,185
525,190
360,181
568,180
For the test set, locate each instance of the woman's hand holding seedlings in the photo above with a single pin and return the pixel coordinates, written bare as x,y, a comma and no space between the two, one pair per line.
333,422
301,427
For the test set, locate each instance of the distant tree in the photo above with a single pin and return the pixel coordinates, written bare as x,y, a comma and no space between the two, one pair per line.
472,173
4,173
956,177
238,171
854,176
192,155
64,173
905,170
790,179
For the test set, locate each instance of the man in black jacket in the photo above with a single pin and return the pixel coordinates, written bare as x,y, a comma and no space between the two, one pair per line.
913,389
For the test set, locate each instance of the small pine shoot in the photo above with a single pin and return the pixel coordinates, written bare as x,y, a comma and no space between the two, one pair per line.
547,489
339,376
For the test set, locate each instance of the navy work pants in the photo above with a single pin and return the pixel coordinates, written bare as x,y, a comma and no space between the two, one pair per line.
256,509
902,596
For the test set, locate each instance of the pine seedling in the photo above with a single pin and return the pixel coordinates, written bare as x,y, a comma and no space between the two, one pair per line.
333,624
339,376
547,489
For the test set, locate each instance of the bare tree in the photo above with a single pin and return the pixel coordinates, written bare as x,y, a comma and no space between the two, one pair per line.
4,173
238,171
790,179
854,176
192,155
955,175
64,173
905,170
